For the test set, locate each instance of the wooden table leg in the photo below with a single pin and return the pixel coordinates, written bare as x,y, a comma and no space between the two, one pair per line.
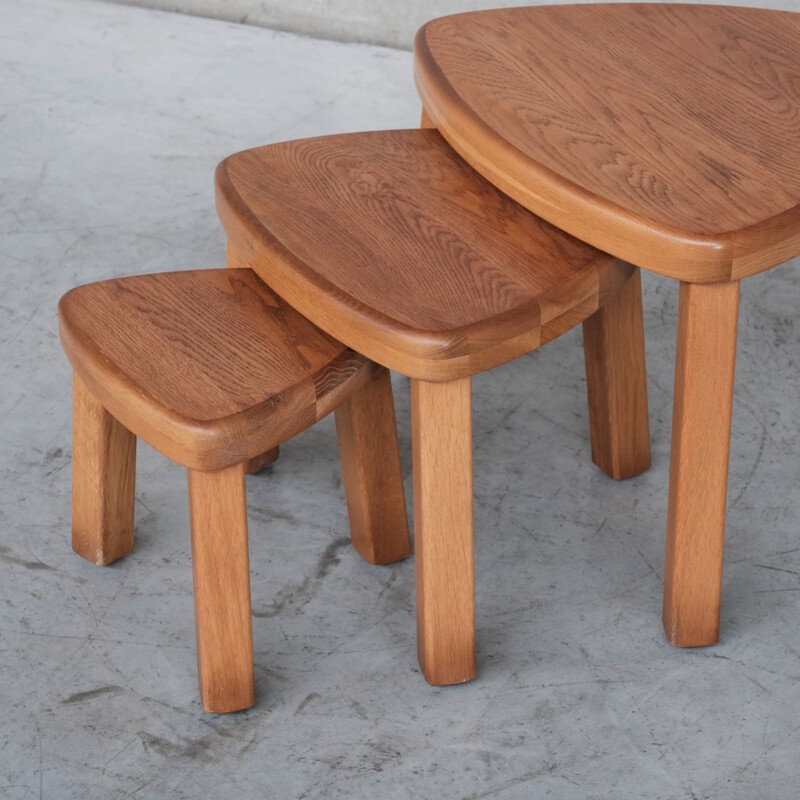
444,525
701,429
616,377
103,481
373,476
221,564
261,462
444,546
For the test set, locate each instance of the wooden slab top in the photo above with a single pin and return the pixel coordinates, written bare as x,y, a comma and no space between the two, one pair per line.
208,366
666,134
392,243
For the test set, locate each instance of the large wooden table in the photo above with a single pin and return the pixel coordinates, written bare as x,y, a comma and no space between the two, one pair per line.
666,135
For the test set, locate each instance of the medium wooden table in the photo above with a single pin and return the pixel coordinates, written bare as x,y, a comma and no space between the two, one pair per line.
389,242
667,135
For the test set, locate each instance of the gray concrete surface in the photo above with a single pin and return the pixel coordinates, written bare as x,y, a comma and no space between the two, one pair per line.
383,22
111,123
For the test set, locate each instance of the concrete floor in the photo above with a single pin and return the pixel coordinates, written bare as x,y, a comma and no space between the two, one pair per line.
112,120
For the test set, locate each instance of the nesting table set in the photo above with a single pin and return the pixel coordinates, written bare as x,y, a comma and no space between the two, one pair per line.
572,145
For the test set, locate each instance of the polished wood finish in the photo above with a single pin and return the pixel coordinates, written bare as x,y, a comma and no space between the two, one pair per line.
373,476
616,378
261,462
219,370
391,243
444,546
103,480
213,369
666,134
701,428
221,565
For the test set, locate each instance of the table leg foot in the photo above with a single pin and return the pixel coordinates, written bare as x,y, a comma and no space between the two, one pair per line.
616,378
221,565
373,477
103,480
701,429
443,512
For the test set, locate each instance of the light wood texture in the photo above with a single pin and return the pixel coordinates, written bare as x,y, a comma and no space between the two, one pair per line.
426,121
394,245
373,476
701,427
616,378
443,512
666,134
219,370
103,480
221,565
261,462
391,243
211,368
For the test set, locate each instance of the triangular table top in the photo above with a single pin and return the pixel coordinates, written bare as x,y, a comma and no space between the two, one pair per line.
666,134
391,243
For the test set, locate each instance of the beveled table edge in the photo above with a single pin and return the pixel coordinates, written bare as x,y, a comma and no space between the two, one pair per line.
686,256
417,353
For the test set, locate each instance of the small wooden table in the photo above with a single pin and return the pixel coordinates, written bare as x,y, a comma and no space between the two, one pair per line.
667,135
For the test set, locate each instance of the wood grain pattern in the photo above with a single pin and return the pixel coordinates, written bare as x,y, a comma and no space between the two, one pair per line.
103,481
701,429
373,476
211,368
221,565
391,243
219,370
261,462
616,378
666,134
444,541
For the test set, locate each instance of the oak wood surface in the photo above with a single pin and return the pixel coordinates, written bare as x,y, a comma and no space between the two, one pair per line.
209,367
221,566
616,378
701,429
391,243
665,134
261,462
444,546
425,120
373,475
103,481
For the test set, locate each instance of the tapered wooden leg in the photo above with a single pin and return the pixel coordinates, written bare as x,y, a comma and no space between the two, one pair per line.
221,564
701,430
261,462
616,377
444,546
373,477
103,480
